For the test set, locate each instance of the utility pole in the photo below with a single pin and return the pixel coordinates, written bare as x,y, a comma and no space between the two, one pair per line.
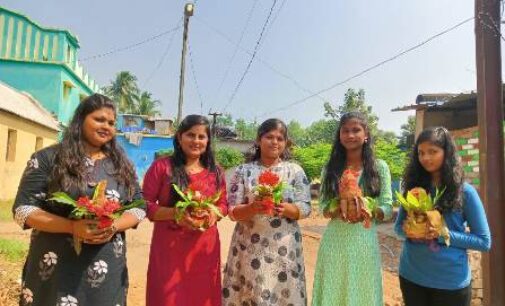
188,12
214,117
491,160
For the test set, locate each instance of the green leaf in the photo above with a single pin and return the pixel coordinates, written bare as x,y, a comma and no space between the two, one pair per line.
215,210
134,204
63,198
370,203
412,201
179,192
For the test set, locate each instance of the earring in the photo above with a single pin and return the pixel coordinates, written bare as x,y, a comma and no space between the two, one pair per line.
366,140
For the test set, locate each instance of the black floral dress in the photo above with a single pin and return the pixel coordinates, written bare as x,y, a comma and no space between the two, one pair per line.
265,262
53,273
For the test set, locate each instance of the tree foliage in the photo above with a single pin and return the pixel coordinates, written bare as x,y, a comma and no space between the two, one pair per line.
408,130
354,101
228,157
125,91
392,155
312,158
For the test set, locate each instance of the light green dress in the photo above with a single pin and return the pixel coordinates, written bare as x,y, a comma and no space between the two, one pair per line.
348,269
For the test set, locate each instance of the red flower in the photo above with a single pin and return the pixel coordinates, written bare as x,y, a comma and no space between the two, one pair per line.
268,205
110,206
83,202
268,178
104,222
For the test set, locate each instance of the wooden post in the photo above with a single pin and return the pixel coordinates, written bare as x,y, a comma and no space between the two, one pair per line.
491,161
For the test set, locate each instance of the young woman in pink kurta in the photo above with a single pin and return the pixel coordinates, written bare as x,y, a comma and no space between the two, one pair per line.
184,262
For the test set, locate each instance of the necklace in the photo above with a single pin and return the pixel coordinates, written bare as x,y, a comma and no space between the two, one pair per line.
273,164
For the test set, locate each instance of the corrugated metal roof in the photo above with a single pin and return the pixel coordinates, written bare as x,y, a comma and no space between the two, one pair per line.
25,106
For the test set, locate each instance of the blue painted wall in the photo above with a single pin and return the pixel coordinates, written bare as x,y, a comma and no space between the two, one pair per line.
143,155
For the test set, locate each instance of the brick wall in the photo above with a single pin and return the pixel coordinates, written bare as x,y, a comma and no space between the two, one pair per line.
467,145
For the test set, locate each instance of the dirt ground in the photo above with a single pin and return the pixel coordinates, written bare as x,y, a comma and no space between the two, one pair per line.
138,242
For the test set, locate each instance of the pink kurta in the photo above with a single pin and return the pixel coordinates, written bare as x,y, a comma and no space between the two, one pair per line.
184,265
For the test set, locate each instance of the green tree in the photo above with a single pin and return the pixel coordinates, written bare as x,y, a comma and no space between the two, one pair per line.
321,131
312,158
354,101
246,130
228,157
123,90
392,155
387,136
296,132
146,105
408,130
225,120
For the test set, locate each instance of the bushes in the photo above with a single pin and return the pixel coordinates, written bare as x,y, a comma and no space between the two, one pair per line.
312,158
393,156
228,157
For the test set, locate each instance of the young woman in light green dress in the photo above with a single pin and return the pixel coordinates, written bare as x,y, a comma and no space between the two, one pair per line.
348,269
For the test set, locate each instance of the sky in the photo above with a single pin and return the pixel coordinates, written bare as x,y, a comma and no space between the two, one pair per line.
307,46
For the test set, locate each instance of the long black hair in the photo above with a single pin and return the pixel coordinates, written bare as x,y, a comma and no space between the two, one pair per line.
337,162
69,169
179,175
267,126
451,172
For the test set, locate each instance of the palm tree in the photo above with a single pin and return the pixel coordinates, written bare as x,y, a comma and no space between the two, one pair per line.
123,90
146,105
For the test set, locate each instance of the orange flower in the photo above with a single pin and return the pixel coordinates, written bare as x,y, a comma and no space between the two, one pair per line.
268,178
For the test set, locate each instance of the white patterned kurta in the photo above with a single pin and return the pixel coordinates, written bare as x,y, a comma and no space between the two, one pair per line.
53,273
265,262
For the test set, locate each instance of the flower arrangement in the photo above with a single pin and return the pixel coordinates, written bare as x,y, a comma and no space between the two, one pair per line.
269,190
99,207
421,213
196,204
348,203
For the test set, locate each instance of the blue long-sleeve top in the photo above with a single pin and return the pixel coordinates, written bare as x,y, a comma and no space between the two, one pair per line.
448,267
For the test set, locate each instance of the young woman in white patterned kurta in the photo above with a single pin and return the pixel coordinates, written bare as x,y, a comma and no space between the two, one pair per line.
265,261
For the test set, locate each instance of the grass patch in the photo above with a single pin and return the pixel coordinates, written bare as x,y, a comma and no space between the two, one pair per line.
13,251
5,210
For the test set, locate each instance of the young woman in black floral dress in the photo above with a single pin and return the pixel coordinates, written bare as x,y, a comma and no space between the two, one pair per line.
88,153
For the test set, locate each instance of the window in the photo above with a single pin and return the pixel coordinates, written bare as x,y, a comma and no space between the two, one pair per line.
11,145
39,142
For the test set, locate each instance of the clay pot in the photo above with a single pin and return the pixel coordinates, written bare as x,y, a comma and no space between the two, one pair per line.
417,223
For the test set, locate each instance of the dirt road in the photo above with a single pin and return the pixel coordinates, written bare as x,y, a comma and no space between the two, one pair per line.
138,242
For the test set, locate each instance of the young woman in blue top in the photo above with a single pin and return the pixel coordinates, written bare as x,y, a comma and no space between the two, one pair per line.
441,277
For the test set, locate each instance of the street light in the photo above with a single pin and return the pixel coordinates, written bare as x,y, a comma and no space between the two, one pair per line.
188,9
188,12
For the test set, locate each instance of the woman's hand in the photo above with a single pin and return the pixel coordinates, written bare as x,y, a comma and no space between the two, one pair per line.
187,221
257,207
431,232
88,231
335,214
287,210
213,218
